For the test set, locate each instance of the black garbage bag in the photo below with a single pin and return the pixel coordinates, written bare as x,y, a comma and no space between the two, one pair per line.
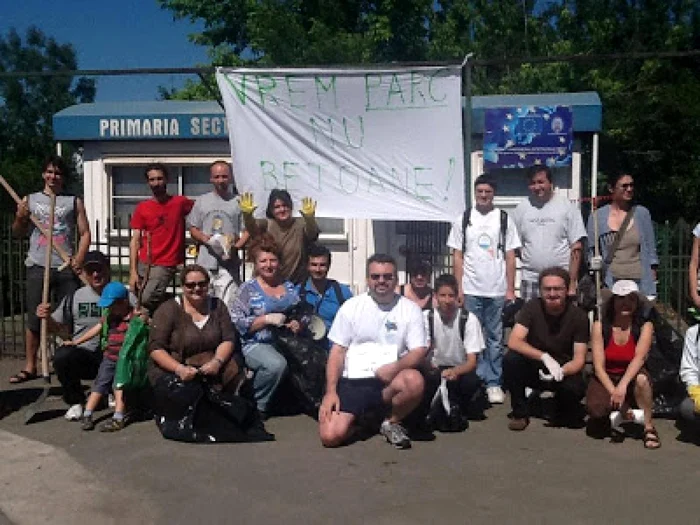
663,364
306,365
198,412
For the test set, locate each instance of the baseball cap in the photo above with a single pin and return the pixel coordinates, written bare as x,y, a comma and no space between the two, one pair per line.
112,292
624,287
95,257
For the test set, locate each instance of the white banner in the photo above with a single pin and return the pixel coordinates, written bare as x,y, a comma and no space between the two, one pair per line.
377,144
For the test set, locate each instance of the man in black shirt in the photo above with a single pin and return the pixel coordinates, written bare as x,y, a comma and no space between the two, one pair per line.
548,347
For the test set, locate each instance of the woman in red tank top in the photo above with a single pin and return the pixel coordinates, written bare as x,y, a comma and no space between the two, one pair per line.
620,344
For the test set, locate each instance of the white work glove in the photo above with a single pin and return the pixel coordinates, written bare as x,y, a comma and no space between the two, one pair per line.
596,263
275,319
220,244
554,368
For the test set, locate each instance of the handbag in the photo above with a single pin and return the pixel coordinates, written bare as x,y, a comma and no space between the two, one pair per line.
618,238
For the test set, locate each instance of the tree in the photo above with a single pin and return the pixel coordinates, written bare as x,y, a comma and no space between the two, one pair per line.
27,104
651,107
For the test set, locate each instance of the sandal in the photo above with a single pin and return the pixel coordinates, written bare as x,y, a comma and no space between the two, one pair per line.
22,377
651,438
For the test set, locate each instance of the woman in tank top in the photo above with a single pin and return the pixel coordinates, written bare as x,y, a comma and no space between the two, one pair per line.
620,345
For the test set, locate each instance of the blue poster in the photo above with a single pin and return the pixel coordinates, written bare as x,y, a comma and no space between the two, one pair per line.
529,135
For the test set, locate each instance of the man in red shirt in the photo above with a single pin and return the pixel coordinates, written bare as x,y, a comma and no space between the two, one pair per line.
160,222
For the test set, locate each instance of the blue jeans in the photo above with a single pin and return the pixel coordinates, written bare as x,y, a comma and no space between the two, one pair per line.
269,367
489,311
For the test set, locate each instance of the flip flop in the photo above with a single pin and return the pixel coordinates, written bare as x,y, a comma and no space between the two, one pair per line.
22,377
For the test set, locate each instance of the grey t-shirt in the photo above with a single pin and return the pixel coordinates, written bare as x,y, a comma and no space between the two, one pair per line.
63,228
547,233
83,315
212,214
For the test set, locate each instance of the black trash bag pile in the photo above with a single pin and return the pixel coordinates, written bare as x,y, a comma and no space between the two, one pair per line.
306,367
199,412
663,364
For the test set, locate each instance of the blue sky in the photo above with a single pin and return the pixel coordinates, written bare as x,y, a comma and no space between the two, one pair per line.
115,34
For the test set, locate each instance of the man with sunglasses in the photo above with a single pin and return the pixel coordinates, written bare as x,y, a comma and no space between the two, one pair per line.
379,341
75,315
70,221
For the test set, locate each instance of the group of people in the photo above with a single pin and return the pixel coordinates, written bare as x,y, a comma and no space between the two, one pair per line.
398,353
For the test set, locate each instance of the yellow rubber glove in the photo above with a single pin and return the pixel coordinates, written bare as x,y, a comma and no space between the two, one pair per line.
308,207
245,202
694,393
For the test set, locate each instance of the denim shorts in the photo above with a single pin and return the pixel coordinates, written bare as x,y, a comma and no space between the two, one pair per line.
359,396
105,377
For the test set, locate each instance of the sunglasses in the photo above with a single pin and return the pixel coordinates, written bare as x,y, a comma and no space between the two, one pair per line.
378,276
93,269
196,284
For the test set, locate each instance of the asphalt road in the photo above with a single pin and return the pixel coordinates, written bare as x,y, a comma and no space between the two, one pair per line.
52,472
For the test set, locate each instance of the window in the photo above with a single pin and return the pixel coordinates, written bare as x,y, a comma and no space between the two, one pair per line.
331,226
128,187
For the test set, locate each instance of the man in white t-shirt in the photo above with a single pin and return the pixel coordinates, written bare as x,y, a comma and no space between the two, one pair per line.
693,267
455,340
551,231
483,242
378,343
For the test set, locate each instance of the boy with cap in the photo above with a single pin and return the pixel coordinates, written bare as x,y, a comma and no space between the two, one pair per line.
117,314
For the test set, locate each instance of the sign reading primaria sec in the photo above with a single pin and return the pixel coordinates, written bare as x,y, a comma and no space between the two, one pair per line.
376,144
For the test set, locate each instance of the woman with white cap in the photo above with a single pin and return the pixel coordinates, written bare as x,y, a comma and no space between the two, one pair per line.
621,341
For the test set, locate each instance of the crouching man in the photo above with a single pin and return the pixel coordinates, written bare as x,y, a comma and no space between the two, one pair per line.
378,343
548,352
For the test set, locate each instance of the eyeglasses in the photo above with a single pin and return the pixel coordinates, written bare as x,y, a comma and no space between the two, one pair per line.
196,284
378,276
553,288
627,186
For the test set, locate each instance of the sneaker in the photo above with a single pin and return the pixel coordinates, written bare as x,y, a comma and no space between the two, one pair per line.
395,434
113,425
88,423
74,413
518,424
495,395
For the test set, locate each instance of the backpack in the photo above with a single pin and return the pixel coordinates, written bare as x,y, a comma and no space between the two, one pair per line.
466,221
336,290
463,318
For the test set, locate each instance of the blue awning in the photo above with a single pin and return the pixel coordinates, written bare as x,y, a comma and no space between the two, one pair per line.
586,107
142,120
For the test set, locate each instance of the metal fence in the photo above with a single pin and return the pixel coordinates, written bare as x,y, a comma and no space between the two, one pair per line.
111,239
424,239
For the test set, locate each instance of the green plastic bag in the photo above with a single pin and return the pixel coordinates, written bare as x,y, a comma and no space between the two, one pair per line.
133,357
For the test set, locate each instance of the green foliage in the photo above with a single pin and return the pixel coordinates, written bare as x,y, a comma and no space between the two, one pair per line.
651,108
27,104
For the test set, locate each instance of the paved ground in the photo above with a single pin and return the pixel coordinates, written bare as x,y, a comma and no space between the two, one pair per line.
53,473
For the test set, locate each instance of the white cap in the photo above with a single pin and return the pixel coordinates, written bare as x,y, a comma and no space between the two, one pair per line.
624,287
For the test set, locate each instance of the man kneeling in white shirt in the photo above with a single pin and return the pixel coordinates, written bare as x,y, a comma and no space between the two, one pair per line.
378,343
455,341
